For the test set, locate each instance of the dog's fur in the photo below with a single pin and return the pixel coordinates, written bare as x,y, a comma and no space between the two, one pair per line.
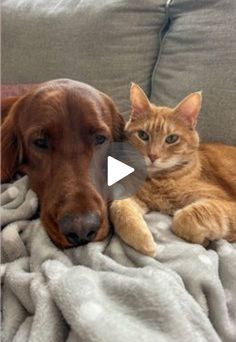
70,114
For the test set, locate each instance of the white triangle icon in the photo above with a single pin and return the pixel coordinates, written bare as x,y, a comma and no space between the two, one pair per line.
116,170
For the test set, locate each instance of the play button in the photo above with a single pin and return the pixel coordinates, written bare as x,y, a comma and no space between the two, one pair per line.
116,170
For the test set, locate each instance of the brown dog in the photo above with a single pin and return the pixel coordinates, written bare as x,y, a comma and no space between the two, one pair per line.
51,134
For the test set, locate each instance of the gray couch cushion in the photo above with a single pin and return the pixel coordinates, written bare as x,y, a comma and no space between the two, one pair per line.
199,52
106,43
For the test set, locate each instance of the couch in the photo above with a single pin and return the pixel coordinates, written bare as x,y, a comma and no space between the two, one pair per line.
106,291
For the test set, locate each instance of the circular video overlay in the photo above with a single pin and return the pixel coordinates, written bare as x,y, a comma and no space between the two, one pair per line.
118,170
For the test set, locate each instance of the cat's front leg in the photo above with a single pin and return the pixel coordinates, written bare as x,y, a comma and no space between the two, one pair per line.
206,220
127,218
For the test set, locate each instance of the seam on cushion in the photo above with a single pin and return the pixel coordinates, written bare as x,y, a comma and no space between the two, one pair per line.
161,37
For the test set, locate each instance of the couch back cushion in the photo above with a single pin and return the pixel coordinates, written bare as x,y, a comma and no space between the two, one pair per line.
106,43
110,43
199,53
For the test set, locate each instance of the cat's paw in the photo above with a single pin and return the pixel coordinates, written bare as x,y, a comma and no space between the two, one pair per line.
186,225
148,245
142,241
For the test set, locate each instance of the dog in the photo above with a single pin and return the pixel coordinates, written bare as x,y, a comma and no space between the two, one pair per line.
51,134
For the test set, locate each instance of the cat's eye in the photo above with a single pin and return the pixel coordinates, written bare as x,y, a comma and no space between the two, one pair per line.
100,139
143,135
41,143
172,138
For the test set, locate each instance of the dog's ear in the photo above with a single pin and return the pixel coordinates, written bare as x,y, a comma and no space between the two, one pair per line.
10,149
6,105
117,120
118,126
118,123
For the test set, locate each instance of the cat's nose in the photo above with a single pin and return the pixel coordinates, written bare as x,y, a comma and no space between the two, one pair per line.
153,157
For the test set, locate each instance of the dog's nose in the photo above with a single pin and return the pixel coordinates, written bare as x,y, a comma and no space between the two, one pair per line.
80,229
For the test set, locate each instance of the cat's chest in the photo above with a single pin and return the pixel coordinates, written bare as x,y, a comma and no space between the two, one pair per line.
165,196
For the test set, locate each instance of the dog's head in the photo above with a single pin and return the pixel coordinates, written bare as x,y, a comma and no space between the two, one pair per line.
51,134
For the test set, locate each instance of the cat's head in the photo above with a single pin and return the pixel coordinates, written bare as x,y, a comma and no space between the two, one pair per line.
166,137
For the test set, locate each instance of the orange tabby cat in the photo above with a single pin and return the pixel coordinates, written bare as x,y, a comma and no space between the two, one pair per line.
195,183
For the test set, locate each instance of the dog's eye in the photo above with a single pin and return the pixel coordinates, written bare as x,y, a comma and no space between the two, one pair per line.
41,143
172,138
100,139
143,135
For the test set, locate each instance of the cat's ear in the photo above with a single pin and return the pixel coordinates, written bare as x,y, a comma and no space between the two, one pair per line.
189,108
139,102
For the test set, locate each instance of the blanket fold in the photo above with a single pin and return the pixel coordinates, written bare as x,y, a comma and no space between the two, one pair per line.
106,291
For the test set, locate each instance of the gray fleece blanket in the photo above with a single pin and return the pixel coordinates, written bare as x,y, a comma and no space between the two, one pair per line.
106,291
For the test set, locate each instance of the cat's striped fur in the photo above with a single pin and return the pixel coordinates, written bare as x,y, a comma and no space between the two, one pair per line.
195,183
